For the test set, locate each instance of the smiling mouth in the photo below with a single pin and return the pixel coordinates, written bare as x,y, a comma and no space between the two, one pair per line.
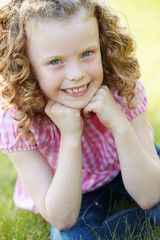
76,90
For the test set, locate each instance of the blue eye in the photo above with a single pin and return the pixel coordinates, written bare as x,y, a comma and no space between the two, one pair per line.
87,54
55,62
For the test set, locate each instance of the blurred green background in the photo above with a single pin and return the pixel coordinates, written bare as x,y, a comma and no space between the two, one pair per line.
144,23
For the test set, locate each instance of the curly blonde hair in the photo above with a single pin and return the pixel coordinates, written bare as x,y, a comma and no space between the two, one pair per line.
18,85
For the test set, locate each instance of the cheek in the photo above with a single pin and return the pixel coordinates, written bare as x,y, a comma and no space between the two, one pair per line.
49,83
96,71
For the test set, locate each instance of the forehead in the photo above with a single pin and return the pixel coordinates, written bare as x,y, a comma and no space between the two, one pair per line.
50,37
35,23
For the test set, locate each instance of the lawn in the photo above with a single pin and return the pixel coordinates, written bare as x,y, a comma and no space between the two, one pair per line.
143,17
16,224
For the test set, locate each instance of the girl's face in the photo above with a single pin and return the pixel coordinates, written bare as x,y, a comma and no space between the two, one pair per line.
66,59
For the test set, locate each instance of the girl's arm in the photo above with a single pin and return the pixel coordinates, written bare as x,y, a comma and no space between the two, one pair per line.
58,196
139,162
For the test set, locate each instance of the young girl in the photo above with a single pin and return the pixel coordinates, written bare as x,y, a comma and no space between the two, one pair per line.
73,119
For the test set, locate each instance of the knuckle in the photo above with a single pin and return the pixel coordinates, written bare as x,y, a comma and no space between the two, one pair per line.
99,104
47,110
104,87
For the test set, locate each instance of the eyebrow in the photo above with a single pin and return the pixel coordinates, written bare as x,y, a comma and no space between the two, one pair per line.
48,58
52,57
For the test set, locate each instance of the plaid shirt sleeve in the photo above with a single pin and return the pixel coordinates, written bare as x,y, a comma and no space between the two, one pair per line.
140,102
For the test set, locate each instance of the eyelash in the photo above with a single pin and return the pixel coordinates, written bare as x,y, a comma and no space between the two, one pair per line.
56,60
85,54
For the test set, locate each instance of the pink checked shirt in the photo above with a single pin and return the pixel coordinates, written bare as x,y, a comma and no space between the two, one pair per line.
99,154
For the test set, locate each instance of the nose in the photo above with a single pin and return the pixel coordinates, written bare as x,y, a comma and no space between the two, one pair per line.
75,72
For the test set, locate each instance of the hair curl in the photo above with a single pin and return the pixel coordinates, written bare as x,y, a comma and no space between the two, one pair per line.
18,85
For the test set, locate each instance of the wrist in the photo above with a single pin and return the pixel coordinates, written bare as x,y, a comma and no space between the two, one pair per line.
71,139
120,126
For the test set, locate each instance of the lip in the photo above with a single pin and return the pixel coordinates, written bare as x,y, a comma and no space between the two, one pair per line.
77,94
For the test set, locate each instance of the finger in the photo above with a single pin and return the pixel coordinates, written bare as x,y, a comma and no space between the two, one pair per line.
86,114
89,109
98,97
102,91
104,87
49,105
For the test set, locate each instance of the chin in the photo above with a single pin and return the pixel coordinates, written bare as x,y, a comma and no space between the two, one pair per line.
78,106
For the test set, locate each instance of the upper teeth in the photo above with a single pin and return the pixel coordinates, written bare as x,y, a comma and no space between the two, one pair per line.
75,90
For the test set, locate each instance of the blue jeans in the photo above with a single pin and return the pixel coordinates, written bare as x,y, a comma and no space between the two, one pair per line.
98,220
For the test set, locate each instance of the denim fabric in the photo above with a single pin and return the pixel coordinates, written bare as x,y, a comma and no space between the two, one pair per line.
97,216
154,213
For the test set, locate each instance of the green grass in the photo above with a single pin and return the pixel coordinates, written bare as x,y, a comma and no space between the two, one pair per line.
16,224
143,17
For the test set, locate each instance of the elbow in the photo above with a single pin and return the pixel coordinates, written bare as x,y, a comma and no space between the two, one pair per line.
146,199
147,204
64,225
62,219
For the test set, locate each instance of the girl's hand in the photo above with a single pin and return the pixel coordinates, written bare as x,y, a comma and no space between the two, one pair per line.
105,107
68,120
